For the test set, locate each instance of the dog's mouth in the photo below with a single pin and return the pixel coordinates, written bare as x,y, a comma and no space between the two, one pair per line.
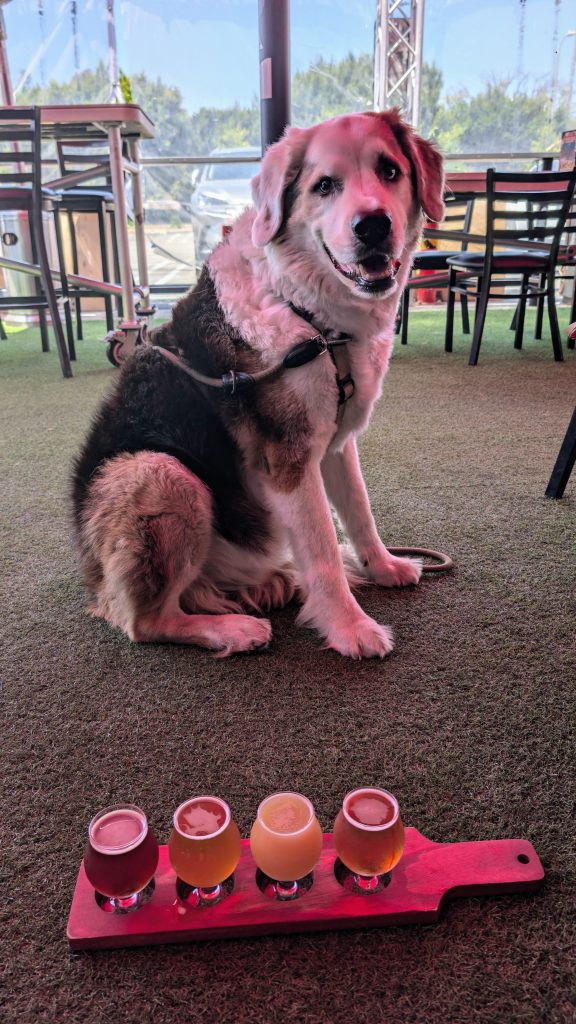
374,273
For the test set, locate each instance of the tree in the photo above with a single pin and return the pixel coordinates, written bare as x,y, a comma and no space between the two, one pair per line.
328,89
498,119
431,91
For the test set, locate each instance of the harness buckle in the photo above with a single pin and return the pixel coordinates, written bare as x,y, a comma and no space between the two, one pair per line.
235,380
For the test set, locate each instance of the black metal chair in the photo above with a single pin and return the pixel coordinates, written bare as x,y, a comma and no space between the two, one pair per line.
21,192
80,160
435,262
537,205
564,462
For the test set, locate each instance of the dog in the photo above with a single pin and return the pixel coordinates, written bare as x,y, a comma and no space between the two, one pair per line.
203,492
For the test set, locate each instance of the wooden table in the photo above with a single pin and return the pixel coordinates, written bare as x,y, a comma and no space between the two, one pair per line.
117,122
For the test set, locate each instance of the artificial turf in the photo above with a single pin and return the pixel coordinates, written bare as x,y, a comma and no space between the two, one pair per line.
470,722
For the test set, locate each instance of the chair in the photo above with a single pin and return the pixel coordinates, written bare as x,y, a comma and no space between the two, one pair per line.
537,205
81,160
564,462
21,192
458,217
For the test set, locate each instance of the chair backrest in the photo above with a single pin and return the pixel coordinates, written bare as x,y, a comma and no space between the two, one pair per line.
77,155
529,208
20,149
458,215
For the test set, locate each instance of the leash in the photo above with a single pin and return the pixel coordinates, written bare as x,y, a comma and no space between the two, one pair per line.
305,352
236,380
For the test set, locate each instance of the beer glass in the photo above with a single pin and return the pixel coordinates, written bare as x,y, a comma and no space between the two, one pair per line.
120,858
204,849
369,837
286,843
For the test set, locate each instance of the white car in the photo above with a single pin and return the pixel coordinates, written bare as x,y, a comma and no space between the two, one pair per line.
222,192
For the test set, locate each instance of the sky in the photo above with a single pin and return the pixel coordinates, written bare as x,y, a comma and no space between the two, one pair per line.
209,48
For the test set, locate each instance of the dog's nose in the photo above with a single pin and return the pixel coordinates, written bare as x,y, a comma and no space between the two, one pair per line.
372,228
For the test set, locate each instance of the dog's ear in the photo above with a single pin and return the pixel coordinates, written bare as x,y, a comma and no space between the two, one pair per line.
427,166
280,166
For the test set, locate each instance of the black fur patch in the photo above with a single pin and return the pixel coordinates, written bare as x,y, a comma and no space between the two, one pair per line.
156,407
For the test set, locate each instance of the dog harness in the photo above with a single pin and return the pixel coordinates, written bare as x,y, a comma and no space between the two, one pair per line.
234,381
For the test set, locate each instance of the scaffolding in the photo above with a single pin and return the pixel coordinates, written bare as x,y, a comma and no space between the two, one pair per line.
398,56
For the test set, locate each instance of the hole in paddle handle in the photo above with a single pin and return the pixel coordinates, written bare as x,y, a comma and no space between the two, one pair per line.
523,858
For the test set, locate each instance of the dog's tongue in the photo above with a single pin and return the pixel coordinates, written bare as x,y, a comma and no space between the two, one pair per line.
376,267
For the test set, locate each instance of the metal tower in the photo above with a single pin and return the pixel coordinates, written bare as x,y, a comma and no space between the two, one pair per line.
398,36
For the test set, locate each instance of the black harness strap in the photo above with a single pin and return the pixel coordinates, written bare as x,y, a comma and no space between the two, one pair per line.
235,380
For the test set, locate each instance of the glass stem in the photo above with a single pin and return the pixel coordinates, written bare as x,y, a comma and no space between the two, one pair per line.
286,890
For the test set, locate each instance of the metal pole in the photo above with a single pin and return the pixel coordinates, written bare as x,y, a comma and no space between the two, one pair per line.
417,81
274,25
5,83
115,91
138,204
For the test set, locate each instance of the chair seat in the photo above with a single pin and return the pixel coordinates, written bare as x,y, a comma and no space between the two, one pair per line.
21,197
519,260
432,259
87,193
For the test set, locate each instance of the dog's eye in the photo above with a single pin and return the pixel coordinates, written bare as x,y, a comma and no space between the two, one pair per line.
325,187
387,171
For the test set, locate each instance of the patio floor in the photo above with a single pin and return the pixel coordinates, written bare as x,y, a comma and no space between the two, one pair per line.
470,722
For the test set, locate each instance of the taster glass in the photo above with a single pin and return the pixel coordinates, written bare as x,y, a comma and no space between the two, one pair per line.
204,849
368,838
120,858
286,843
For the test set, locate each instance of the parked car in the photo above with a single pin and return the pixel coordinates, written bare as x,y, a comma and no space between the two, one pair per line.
222,191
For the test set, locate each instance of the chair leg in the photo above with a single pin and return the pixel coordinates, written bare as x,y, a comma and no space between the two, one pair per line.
75,270
405,312
3,335
481,307
65,289
37,231
564,462
44,336
105,267
79,328
572,335
553,317
116,261
514,320
38,287
520,314
465,314
449,331
540,310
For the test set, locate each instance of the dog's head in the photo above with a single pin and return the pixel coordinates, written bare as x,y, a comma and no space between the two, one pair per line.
350,193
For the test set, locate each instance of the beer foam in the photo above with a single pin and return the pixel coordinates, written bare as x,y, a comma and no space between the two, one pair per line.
286,813
370,808
200,821
202,817
118,830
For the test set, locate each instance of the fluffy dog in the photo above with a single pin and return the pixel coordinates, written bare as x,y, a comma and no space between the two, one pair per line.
194,505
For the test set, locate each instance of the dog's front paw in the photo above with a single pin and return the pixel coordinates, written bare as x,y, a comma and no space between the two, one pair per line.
238,633
361,638
392,571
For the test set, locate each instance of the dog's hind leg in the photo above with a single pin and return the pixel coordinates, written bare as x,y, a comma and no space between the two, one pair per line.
146,527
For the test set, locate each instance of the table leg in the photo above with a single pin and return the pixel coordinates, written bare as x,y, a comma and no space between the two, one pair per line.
134,155
116,169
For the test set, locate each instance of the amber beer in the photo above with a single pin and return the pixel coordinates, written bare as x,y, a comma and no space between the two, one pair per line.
368,832
204,846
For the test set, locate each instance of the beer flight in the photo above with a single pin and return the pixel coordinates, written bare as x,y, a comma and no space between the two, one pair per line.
204,849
